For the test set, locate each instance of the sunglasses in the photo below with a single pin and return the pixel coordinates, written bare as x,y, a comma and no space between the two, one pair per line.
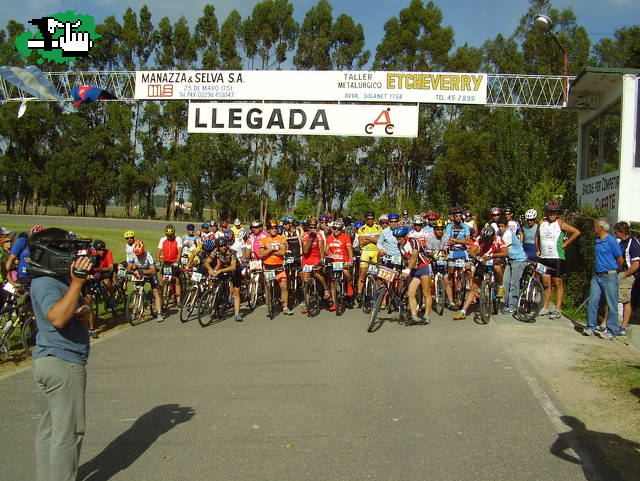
438,228
272,227
313,227
128,238
371,218
393,220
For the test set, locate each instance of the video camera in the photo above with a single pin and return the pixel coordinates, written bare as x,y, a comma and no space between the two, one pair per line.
54,258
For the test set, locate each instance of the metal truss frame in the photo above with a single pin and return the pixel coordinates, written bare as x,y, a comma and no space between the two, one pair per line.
503,90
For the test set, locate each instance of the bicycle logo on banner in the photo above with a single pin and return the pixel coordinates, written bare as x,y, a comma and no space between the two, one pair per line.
386,121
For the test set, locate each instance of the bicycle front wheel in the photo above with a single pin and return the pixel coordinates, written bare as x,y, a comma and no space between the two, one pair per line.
311,298
374,325
134,308
441,295
28,334
368,294
206,306
530,301
341,292
486,302
188,306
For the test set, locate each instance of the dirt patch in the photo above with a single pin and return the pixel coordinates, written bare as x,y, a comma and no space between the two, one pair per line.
577,369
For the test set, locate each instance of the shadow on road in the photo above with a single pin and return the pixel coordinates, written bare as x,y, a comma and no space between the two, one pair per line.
603,456
123,451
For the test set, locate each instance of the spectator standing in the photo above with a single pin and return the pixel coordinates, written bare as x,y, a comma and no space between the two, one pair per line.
628,276
608,260
529,234
515,266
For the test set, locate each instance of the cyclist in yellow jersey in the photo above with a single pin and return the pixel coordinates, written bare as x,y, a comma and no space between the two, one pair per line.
368,237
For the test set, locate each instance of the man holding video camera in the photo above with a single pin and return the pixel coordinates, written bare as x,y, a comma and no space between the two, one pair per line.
59,265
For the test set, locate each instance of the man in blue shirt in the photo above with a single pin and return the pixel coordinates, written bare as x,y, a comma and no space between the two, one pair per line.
59,359
514,268
388,243
20,250
605,280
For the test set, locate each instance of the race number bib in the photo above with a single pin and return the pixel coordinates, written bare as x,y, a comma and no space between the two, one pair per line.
489,262
441,263
307,268
289,260
395,260
167,271
255,265
386,274
372,269
122,273
196,277
9,288
270,275
338,266
184,261
457,263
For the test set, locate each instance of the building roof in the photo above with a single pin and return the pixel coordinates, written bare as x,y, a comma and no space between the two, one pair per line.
586,88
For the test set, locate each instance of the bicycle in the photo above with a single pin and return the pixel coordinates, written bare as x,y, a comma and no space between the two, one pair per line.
339,287
531,292
138,301
169,284
256,284
489,302
272,292
459,281
100,295
388,286
369,288
214,302
191,299
294,284
17,321
439,267
312,291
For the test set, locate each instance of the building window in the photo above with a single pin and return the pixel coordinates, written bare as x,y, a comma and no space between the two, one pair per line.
601,143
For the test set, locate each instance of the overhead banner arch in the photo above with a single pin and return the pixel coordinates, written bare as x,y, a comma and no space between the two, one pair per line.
309,86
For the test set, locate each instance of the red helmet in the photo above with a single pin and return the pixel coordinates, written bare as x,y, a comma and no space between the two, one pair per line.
552,206
138,247
432,215
36,228
495,211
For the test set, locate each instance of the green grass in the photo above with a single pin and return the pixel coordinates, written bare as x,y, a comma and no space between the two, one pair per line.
112,237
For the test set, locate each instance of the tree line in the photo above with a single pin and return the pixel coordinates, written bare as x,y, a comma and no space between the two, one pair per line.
474,156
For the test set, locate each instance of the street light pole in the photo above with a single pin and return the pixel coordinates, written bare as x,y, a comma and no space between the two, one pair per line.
544,24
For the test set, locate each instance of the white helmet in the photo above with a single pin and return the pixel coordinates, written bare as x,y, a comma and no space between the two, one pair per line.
530,214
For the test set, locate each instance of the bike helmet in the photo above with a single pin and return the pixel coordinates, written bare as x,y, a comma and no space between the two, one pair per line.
508,210
312,221
394,215
456,210
531,214
99,245
243,234
36,228
206,225
401,231
191,227
222,242
357,224
296,223
224,223
209,245
256,223
170,230
138,247
368,213
495,211
323,218
417,219
438,224
229,235
287,219
214,223
280,229
383,218
432,215
347,220
272,223
552,206
487,234
337,224
129,233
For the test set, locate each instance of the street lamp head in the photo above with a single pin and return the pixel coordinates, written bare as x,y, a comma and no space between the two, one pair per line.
543,23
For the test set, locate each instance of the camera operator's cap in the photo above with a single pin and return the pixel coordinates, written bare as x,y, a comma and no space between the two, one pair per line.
4,231
236,222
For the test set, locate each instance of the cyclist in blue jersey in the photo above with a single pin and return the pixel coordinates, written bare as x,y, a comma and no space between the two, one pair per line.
387,243
529,234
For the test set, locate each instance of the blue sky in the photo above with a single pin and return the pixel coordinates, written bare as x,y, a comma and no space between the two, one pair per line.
473,21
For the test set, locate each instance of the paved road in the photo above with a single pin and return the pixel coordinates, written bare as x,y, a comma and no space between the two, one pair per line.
297,399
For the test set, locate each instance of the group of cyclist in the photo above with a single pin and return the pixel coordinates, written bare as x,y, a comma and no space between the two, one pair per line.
416,247
411,245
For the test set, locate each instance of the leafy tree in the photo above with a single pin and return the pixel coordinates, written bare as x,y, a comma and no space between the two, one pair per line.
621,51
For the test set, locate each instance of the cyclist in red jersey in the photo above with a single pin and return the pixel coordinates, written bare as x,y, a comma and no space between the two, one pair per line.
339,249
313,248
169,250
102,273
256,236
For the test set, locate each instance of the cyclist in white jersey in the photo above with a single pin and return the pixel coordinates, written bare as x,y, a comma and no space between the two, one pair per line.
419,233
551,243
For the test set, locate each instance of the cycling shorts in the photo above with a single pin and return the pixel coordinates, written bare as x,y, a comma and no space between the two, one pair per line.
558,267
367,256
152,280
423,271
280,275
175,268
311,261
